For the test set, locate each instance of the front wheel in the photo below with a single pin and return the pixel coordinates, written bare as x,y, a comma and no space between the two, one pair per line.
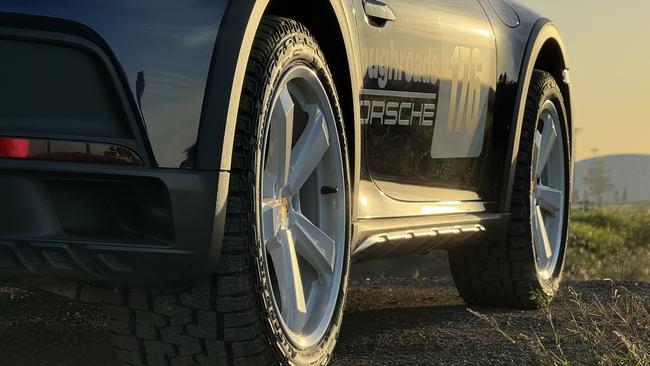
531,258
301,196
278,293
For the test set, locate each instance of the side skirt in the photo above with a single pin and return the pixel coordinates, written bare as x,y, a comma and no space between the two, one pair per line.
381,238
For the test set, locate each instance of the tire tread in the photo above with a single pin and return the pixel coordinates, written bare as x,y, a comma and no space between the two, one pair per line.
221,321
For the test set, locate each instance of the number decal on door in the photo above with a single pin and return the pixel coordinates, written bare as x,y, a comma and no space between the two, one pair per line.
465,105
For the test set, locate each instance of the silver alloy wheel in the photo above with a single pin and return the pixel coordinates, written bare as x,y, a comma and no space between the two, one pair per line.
303,213
549,193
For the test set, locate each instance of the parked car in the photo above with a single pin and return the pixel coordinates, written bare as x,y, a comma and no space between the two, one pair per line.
221,163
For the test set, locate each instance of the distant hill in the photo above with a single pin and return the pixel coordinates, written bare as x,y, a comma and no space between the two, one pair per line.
631,172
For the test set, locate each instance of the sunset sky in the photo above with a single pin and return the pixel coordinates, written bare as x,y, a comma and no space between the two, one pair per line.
609,51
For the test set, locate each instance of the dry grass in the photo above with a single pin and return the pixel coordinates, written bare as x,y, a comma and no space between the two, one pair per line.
604,327
586,329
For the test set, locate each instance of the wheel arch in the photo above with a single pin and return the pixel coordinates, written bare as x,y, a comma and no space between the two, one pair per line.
545,51
552,58
230,59
328,22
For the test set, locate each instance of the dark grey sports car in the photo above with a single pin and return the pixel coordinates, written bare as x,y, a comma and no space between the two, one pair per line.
220,163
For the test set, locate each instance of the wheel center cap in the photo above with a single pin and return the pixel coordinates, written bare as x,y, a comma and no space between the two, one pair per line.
284,212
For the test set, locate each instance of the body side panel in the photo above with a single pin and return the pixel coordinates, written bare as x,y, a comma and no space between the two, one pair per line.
517,51
429,77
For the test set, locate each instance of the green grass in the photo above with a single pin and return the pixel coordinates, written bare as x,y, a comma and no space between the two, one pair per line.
610,242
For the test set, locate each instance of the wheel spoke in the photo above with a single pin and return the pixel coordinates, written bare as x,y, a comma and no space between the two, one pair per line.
285,261
268,184
314,245
550,199
270,223
309,150
542,243
280,137
537,143
549,137
312,299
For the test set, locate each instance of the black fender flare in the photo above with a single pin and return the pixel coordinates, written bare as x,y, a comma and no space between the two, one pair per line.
215,142
543,31
227,70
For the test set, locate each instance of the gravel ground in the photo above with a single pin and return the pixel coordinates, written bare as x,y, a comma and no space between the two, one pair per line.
404,321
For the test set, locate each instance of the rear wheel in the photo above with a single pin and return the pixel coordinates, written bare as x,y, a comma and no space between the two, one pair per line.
531,259
277,295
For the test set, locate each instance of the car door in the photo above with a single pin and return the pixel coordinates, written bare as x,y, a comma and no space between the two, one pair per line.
428,79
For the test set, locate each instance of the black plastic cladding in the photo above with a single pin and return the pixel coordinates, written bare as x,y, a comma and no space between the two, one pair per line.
173,259
229,60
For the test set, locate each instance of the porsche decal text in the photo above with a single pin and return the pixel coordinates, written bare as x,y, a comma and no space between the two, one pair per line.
387,64
398,108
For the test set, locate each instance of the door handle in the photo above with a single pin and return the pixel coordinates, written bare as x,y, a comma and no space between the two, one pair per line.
378,11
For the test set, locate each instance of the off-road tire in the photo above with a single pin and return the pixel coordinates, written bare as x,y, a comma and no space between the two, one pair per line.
504,273
229,319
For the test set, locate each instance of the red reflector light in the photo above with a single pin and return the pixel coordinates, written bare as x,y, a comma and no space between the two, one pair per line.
63,150
13,147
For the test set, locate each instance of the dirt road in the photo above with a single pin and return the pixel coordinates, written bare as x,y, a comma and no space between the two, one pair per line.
388,322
